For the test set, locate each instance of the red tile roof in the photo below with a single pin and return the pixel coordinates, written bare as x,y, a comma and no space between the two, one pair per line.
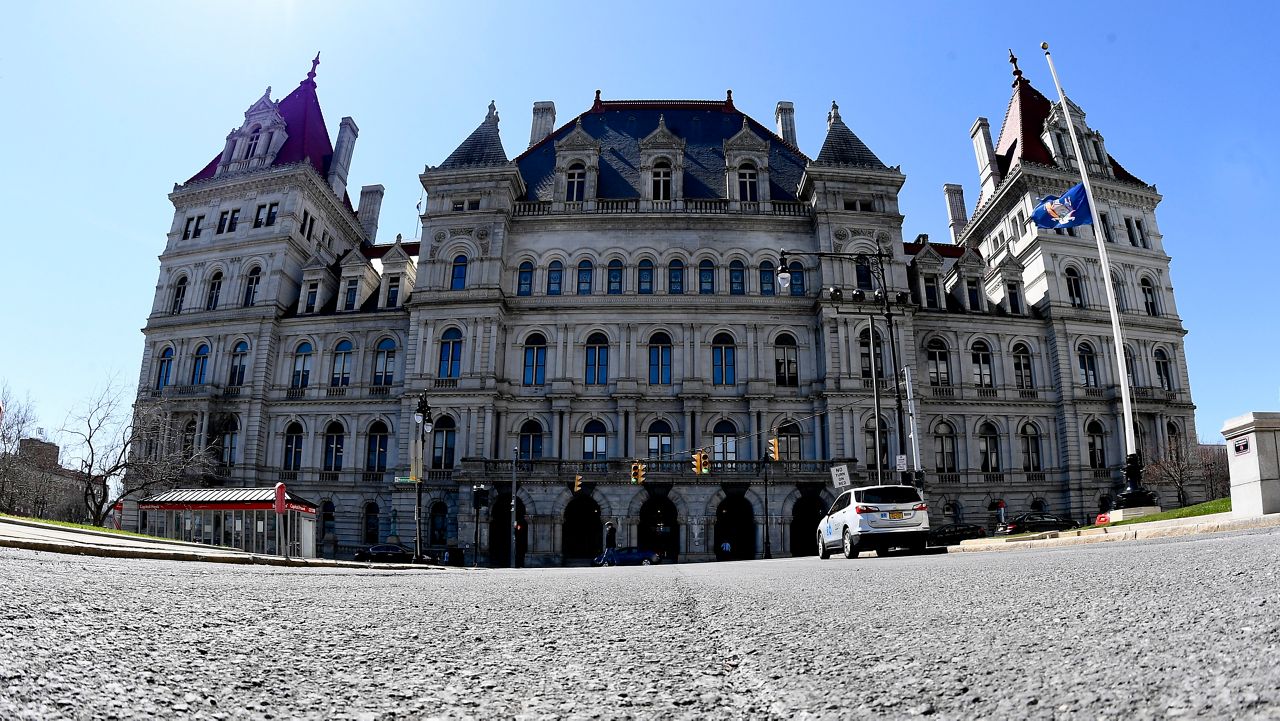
946,250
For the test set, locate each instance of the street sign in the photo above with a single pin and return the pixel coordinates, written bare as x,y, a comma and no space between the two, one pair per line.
902,463
404,479
840,476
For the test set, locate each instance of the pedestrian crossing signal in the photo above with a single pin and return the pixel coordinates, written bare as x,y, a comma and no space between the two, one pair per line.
577,483
774,454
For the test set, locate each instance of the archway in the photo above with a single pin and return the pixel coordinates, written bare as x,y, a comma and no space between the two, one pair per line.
500,532
582,539
660,528
806,514
735,525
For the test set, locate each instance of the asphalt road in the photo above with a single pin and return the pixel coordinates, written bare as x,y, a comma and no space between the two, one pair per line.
1156,629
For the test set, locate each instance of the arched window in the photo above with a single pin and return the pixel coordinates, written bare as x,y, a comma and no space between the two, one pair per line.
706,277
1164,369
1097,445
524,280
675,278
239,360
797,278
531,440
939,363
1075,288
644,277
335,440
555,277
575,183
251,147
450,354
1177,444
1149,297
723,360
748,183
375,459
981,354
615,277
1122,297
988,448
199,364
1023,376
597,360
659,439
881,459
215,292
660,359
189,439
867,355
789,442
444,436
301,366
862,273
786,363
585,273
662,180
458,280
341,375
1130,371
724,447
384,363
164,368
179,295
251,286
293,447
371,521
1038,505
737,278
1088,366
766,277
944,448
535,360
439,524
1030,438
594,442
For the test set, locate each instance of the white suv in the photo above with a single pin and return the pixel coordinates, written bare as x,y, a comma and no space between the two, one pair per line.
875,517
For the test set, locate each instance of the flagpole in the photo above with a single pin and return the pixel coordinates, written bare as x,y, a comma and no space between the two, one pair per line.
1133,461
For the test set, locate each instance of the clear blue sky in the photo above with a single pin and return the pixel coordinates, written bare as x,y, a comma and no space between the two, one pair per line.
108,104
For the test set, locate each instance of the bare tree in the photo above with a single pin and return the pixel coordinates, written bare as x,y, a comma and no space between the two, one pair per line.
1215,469
17,423
122,451
1179,469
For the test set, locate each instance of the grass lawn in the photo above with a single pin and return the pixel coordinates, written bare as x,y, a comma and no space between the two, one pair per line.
1222,505
80,526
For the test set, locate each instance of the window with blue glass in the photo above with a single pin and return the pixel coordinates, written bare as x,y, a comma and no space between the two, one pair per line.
450,354
766,278
585,271
376,452
862,274
644,277
199,365
384,363
293,447
737,278
615,277
531,440
341,375
444,442
797,279
459,279
524,281
660,359
335,438
706,278
301,377
659,439
675,278
723,360
594,442
597,360
535,360
239,359
164,368
555,277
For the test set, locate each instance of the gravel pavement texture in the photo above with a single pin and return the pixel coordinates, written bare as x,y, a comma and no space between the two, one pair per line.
1183,627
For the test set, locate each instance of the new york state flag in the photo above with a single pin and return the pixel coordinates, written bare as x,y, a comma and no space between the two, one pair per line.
1064,211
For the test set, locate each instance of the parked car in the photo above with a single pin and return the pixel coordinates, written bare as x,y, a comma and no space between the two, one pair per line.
953,533
627,556
386,553
875,518
1034,523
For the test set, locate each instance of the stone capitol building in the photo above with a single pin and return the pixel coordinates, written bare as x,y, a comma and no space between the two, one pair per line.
614,293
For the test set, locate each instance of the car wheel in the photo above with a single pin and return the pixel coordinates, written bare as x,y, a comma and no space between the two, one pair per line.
850,551
823,553
646,562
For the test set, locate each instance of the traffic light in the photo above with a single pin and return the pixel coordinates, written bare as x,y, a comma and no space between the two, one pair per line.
577,483
774,453
701,463
640,473
635,472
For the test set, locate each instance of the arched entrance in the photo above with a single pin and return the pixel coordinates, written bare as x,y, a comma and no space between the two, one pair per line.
806,514
582,538
735,525
660,528
500,532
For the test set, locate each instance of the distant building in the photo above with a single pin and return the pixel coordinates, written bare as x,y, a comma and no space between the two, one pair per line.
34,484
613,294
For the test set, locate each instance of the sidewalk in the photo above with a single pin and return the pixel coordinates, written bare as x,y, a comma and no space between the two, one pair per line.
1173,527
36,536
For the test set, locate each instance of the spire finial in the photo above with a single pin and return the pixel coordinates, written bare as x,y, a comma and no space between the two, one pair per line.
1013,60
316,61
493,112
834,115
597,95
728,97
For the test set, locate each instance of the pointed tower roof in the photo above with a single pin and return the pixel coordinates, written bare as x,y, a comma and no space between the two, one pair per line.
842,147
483,148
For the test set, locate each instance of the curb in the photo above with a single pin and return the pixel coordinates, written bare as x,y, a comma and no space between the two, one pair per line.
1122,533
140,537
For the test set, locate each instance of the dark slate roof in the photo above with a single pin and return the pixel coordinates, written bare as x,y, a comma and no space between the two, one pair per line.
620,125
483,148
946,250
842,147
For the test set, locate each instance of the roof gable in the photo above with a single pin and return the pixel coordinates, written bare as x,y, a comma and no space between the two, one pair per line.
483,148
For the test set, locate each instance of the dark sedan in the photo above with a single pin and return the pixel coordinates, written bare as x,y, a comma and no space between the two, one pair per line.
953,533
1034,523
386,553
627,556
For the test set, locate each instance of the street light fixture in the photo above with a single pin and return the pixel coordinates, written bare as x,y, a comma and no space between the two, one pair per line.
421,416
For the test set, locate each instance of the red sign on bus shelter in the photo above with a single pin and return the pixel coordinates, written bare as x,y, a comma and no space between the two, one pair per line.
280,492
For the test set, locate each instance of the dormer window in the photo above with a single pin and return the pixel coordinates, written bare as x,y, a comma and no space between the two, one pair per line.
353,287
313,292
748,184
251,148
662,180
932,297
1014,295
576,183
393,291
975,295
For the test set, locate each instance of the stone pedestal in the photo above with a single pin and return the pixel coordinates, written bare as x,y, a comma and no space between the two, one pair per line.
1253,452
1128,514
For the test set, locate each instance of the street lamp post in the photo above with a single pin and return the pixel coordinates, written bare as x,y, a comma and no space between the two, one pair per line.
768,547
515,456
479,499
421,416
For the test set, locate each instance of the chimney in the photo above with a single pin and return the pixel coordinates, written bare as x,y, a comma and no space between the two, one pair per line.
370,208
785,118
341,162
544,121
955,210
988,173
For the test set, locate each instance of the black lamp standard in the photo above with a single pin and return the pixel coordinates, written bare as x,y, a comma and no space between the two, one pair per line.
421,416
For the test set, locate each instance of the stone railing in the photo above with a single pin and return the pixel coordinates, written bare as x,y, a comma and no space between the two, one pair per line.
708,206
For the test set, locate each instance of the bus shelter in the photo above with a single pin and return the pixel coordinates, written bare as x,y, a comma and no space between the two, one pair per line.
242,518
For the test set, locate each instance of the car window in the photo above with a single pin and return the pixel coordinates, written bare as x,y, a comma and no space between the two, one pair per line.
840,503
890,494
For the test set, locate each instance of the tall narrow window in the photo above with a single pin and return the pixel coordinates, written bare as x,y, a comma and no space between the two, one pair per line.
939,363
767,275
458,280
862,274
981,356
393,291
335,440
1164,369
439,524
594,442
932,297
239,359
748,184
555,277
1142,233
233,220
615,277
789,442
975,295
585,274
944,448
251,286
1106,228
575,183
706,278
313,291
1122,297
988,448
659,440
535,360
1030,439
215,292
444,439
597,360
786,363
737,278
1149,297
450,365
1075,288
199,364
340,375
251,148
675,277
660,359
353,289
723,360
164,368
228,440
1014,294
301,366
375,459
371,523
724,445
1130,371
260,216
868,354
1022,374
1129,230
1097,445
179,295
189,438
662,180
797,278
1088,364
644,277
524,279
293,447
874,459
384,363
531,440
272,210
